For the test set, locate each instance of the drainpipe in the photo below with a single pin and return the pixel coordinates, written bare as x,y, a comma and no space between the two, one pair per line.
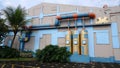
83,22
24,37
68,24
75,16
91,15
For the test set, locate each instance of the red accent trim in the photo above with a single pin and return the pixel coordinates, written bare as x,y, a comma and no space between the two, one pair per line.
58,17
75,18
75,15
92,15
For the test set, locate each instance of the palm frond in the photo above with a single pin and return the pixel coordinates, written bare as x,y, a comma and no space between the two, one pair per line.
15,17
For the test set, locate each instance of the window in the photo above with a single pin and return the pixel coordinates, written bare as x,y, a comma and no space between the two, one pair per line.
102,38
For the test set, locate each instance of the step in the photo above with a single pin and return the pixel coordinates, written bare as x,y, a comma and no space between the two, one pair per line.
79,58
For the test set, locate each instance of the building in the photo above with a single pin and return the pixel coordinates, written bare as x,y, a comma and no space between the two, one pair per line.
90,33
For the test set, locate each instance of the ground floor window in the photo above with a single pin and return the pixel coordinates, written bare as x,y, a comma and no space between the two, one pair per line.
102,37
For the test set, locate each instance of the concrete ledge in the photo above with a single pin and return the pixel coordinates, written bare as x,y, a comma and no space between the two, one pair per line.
79,58
102,59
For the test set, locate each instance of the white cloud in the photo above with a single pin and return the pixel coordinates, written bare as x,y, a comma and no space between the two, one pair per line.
30,3
97,3
15,3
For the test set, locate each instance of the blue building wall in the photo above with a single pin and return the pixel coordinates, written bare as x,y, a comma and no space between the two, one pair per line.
54,33
91,41
115,36
101,35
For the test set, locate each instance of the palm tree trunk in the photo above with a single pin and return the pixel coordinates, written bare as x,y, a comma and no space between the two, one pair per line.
13,39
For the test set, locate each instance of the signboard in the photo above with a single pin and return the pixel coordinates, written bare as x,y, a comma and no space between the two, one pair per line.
103,20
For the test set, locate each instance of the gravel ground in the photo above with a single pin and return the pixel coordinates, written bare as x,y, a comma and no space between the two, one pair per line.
35,64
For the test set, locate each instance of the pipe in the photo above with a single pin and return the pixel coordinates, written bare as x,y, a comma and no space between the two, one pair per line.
24,38
45,25
27,36
75,16
75,23
68,24
83,22
48,28
57,22
91,15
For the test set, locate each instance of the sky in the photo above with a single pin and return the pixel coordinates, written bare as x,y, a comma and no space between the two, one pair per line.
29,3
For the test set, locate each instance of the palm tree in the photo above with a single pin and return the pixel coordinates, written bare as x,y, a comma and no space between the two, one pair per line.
16,19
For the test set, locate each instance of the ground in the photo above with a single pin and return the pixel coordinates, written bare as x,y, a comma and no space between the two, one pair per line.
36,64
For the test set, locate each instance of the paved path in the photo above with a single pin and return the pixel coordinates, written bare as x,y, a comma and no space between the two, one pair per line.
35,64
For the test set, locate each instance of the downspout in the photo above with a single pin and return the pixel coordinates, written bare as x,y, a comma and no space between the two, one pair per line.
26,38
68,24
91,15
75,16
83,22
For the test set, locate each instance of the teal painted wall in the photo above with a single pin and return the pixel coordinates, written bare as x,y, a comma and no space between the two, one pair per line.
79,58
102,59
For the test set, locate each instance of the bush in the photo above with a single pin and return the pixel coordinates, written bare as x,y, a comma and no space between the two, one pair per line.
6,52
53,54
26,54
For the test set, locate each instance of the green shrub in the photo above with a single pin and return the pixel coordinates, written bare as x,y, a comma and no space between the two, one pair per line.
6,52
26,54
53,54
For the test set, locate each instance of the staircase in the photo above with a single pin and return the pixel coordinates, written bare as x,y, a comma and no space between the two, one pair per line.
75,57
